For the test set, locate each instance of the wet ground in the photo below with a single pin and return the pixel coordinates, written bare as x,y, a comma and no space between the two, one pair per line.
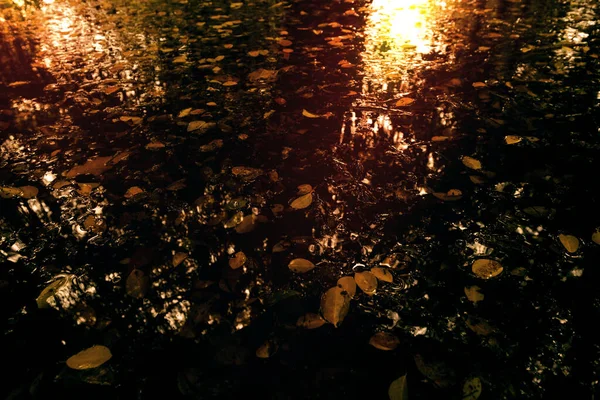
187,183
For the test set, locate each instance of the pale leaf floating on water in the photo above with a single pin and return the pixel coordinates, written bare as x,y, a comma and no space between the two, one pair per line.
200,127
384,341
383,274
133,191
302,202
398,389
405,101
308,114
451,195
310,321
366,281
301,265
304,189
570,242
266,350
348,284
596,237
486,268
268,75
471,162
137,284
95,166
238,260
60,286
247,224
474,294
479,84
512,139
93,357
472,388
480,326
28,192
335,304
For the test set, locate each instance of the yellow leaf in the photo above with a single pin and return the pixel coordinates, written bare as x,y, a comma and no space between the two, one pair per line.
384,341
383,274
133,191
254,53
398,389
28,192
473,293
452,195
335,304
476,179
471,162
309,114
596,237
266,350
285,42
247,224
268,75
405,101
137,284
479,84
57,285
300,265
302,202
486,269
440,138
9,192
480,326
96,166
310,321
93,357
472,389
366,281
304,189
570,242
348,284
512,139
237,260
200,126
178,258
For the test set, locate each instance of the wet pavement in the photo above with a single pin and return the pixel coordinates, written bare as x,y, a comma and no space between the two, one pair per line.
196,188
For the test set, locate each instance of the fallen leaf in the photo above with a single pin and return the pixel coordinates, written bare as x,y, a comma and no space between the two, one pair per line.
111,89
348,284
137,284
277,209
473,293
304,189
268,75
29,192
93,357
247,224
512,139
451,195
95,166
300,265
9,192
440,138
398,389
266,350
177,185
479,326
310,115
479,84
335,304
383,274
476,179
200,127
133,191
62,282
486,269
178,258
237,260
246,172
405,101
384,341
596,237
472,388
155,145
570,242
366,281
302,202
471,162
285,42
310,321
537,211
